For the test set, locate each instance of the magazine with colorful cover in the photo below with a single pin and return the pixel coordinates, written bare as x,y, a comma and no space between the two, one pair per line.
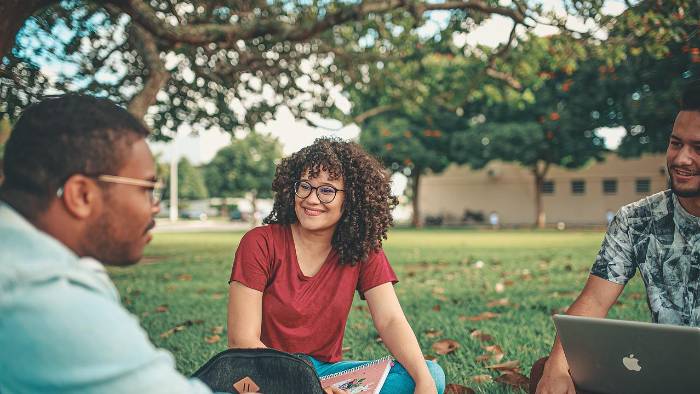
366,378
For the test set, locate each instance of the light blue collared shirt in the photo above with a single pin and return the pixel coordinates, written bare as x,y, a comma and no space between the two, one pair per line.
62,327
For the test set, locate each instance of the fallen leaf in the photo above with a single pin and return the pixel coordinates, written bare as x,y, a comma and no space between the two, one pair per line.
217,296
184,277
495,353
217,330
508,365
482,378
439,290
478,335
162,308
498,302
483,358
508,282
429,357
514,379
345,349
436,308
433,333
458,389
492,349
180,327
213,339
482,316
378,339
499,287
445,346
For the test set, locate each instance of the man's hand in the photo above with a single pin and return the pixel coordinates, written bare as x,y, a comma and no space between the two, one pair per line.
334,390
555,380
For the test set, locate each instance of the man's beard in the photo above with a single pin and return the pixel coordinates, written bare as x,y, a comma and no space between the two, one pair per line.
689,193
106,243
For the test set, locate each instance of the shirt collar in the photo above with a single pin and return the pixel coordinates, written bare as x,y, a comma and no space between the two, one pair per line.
13,221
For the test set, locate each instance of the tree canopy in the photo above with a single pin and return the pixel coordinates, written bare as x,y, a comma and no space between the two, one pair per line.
247,166
190,181
229,63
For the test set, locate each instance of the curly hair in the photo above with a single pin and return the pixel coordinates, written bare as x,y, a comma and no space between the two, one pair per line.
368,200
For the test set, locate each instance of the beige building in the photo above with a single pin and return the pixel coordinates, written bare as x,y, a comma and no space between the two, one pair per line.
586,196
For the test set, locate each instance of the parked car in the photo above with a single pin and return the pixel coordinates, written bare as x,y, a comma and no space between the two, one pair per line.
193,214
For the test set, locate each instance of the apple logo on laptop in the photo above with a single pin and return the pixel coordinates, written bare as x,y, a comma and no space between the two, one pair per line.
631,363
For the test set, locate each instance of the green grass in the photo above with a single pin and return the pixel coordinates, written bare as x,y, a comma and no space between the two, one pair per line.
542,272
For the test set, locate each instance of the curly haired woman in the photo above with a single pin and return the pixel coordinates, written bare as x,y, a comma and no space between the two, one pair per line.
293,281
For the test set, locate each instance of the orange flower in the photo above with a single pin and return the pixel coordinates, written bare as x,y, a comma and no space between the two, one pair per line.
554,116
389,146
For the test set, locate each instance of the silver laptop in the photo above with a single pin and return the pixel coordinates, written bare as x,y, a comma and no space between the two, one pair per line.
616,356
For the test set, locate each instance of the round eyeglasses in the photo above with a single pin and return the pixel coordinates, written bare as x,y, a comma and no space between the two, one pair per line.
325,193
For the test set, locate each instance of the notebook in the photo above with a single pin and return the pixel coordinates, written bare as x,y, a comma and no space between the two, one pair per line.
366,378
625,357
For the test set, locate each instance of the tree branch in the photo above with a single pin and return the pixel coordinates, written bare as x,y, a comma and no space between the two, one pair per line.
157,74
205,33
507,78
374,112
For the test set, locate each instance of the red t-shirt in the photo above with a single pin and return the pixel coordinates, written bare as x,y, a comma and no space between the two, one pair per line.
302,314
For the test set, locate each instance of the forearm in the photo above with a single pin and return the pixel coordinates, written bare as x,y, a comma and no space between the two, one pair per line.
245,343
244,317
399,338
595,300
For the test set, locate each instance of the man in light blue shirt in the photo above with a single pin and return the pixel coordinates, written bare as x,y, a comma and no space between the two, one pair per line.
79,191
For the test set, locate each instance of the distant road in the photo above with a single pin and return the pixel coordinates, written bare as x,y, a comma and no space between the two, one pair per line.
198,226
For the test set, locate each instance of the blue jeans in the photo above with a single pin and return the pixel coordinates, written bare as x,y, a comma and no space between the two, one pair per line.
397,382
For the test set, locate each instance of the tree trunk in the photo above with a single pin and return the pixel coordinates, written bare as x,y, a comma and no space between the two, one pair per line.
540,218
14,14
158,76
539,172
253,204
415,218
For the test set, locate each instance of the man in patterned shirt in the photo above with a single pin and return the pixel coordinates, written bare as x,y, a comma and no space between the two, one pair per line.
659,236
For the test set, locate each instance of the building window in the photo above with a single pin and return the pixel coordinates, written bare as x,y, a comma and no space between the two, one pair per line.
643,185
548,187
610,186
578,187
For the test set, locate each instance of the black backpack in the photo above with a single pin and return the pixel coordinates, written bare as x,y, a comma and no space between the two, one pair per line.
267,371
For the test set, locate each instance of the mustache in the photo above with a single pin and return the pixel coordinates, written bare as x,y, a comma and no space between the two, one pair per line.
150,227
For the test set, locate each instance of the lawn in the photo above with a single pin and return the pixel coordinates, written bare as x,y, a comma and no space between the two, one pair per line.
179,292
